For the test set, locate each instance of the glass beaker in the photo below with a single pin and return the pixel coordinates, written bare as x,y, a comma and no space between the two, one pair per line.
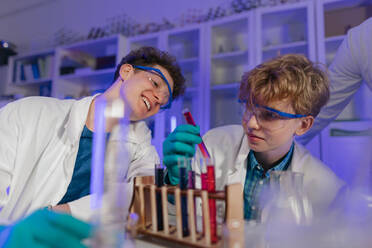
288,203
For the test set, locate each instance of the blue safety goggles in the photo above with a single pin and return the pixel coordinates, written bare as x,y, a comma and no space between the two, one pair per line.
280,113
158,72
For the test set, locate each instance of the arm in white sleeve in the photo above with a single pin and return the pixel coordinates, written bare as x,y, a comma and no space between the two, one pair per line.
8,136
142,158
345,75
143,155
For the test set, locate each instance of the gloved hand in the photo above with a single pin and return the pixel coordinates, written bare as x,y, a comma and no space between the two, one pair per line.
180,143
45,228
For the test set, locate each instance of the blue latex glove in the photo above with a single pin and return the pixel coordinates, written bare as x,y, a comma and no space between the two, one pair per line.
45,228
180,143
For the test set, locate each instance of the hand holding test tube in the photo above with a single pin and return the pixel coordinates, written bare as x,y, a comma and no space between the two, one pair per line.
208,178
191,121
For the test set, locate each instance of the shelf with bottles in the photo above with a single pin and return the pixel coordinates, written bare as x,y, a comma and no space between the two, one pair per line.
86,67
299,49
143,40
230,47
230,36
89,58
285,29
223,73
185,44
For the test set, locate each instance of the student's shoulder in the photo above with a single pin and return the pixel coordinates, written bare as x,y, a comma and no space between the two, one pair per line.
36,106
310,164
228,133
139,132
34,101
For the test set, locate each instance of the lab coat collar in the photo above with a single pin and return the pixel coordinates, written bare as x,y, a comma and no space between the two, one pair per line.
242,154
76,119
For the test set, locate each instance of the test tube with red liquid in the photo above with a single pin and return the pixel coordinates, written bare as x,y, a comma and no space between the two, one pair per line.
207,178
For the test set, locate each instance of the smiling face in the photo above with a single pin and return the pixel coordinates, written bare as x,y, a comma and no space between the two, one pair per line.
270,139
144,91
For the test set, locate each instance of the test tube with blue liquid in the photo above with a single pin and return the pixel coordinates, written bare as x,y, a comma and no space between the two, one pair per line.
182,165
159,181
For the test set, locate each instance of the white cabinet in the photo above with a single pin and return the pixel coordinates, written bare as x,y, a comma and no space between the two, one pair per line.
229,53
347,149
87,67
187,46
285,29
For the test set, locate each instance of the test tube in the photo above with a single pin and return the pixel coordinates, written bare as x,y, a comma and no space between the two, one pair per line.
190,120
211,185
182,163
159,181
208,183
207,178
191,175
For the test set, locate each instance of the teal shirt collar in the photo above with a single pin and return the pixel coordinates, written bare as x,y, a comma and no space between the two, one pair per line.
283,165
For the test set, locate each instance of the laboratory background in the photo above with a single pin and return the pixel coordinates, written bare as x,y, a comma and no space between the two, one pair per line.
68,49
57,42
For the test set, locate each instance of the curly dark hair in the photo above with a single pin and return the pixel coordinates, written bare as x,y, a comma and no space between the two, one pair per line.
150,56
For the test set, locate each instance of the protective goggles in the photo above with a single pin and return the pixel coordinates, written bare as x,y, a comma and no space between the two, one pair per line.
160,85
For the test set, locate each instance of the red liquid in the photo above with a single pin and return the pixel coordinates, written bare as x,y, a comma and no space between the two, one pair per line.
211,185
191,121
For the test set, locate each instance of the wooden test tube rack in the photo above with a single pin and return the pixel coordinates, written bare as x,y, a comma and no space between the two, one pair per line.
144,204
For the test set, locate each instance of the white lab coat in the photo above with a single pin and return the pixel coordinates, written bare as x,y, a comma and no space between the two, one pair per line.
39,144
351,66
228,146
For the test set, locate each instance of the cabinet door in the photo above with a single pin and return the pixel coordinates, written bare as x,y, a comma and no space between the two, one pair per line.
86,68
347,149
185,45
285,29
229,55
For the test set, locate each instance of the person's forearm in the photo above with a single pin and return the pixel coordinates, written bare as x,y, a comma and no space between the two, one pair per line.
64,208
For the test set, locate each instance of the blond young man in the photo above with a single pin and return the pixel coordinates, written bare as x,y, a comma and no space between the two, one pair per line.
281,98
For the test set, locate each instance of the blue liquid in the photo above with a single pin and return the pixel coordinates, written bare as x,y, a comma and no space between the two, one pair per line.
159,180
183,186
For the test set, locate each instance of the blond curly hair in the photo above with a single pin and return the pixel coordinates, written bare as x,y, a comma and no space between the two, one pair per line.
290,77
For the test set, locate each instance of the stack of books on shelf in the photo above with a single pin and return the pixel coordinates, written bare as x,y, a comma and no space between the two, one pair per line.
33,69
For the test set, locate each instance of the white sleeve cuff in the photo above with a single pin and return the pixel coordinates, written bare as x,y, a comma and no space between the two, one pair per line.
81,209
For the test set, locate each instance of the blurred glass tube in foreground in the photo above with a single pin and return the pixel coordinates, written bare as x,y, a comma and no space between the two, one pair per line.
110,190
